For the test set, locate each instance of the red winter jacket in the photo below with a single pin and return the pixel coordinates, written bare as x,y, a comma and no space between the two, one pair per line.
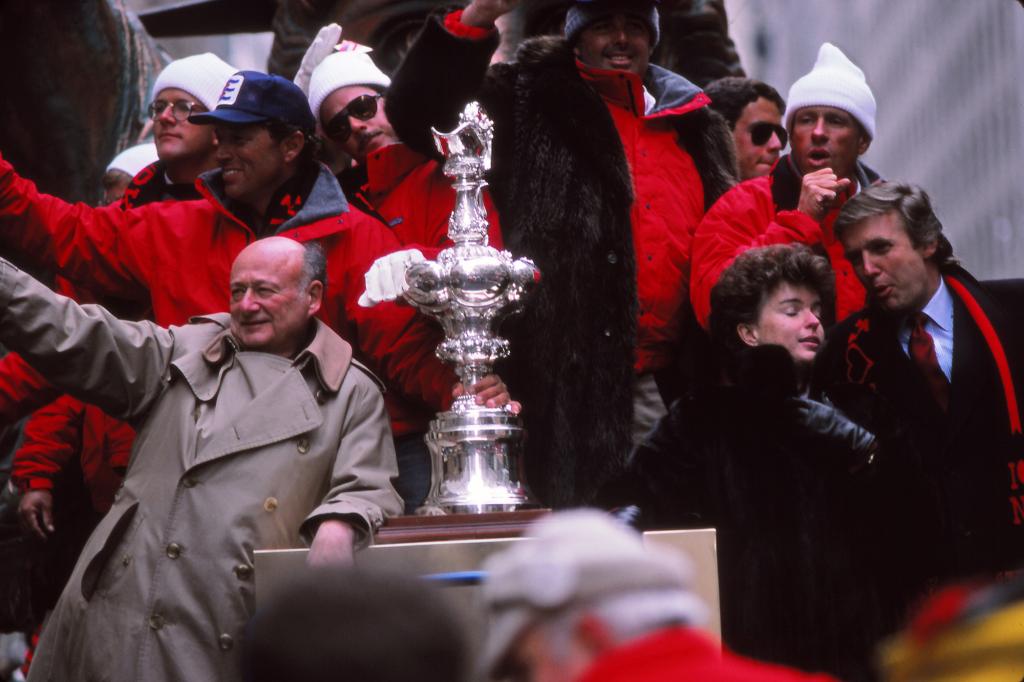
759,212
178,255
669,203
686,654
64,430
415,197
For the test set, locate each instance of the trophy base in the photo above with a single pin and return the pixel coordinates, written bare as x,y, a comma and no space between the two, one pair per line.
476,457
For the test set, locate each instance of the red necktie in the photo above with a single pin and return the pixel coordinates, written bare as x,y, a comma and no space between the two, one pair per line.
922,351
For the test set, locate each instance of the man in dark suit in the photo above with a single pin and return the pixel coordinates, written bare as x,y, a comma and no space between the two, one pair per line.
944,352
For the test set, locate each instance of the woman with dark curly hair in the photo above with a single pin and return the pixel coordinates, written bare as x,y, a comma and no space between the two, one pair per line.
789,482
775,295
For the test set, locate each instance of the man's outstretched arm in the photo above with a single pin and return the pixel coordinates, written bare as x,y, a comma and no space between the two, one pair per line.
83,349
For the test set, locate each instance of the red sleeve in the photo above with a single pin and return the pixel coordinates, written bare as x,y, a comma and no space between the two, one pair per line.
94,247
453,24
743,218
53,436
22,389
119,440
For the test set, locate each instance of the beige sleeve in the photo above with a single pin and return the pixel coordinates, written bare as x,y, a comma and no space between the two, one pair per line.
361,489
83,349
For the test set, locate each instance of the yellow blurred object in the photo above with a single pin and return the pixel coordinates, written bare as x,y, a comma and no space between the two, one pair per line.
986,649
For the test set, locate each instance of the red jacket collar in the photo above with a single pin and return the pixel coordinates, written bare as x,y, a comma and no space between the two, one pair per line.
621,88
626,89
310,222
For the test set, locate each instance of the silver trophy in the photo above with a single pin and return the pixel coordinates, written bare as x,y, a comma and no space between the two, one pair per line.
476,451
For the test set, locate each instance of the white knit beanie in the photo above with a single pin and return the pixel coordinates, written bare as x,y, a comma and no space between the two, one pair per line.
134,159
837,82
202,75
340,70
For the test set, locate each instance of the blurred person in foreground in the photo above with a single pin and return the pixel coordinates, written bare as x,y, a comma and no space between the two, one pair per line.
963,633
754,112
356,624
809,508
581,599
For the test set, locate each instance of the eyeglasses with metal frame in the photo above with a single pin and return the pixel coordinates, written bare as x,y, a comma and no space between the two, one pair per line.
180,109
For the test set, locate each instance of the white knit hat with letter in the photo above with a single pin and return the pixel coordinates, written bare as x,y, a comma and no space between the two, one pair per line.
202,75
837,82
351,66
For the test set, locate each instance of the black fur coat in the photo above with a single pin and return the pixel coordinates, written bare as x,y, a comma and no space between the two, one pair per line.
563,189
819,554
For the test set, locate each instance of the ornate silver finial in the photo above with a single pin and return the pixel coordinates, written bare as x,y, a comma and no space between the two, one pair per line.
467,152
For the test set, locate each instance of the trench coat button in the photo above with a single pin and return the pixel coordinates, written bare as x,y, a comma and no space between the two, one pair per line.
302,445
321,396
612,257
174,550
270,504
156,621
126,559
225,642
607,332
243,571
189,482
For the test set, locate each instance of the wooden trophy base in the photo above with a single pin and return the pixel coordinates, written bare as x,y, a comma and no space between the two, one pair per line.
486,526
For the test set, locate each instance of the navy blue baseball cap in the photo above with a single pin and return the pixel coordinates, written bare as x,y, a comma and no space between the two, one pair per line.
255,97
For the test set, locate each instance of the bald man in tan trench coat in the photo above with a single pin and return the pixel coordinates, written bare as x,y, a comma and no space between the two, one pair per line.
256,430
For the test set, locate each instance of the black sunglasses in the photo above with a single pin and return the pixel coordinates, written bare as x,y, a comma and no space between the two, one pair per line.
363,107
761,132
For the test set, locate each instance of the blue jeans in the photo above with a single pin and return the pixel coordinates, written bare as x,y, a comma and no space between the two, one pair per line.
414,471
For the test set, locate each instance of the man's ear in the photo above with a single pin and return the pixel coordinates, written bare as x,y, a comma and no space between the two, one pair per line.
929,250
316,296
863,144
293,145
747,334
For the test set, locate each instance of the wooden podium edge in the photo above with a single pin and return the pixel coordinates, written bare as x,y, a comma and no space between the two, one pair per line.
487,526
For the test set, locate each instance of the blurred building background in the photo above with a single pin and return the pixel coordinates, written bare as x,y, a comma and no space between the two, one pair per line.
244,50
948,76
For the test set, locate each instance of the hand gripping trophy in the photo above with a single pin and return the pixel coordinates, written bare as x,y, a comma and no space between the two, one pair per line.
476,451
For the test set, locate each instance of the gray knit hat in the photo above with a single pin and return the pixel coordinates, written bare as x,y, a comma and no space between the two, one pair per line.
576,559
585,12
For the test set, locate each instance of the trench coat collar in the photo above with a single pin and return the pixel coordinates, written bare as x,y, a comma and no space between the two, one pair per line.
329,355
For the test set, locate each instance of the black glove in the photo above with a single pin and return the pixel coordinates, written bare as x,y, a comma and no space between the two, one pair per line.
827,425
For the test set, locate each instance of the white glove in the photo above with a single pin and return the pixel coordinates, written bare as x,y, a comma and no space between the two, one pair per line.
321,47
385,280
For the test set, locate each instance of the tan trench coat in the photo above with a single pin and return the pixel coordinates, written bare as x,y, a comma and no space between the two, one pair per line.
227,460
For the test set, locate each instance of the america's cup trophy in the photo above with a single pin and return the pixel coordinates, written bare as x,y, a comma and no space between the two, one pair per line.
476,451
